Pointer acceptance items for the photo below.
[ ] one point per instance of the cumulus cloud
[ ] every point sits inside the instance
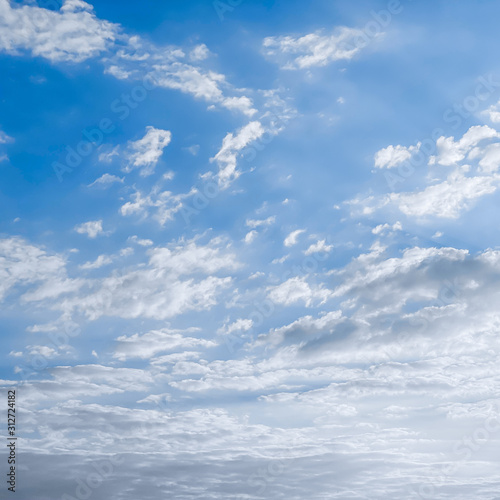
(92, 228)
(145, 153)
(298, 290)
(473, 162)
(392, 156)
(22, 263)
(243, 104)
(318, 247)
(292, 238)
(4, 138)
(176, 279)
(163, 205)
(102, 260)
(72, 34)
(106, 180)
(451, 152)
(447, 199)
(254, 223)
(232, 145)
(149, 344)
(314, 49)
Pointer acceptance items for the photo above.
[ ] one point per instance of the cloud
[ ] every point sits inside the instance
(4, 138)
(254, 223)
(447, 199)
(102, 260)
(175, 280)
(392, 156)
(71, 34)
(449, 192)
(22, 263)
(451, 152)
(147, 345)
(292, 238)
(382, 228)
(250, 236)
(297, 290)
(318, 247)
(106, 180)
(142, 242)
(242, 104)
(164, 204)
(232, 144)
(146, 152)
(493, 112)
(92, 228)
(314, 49)
(199, 53)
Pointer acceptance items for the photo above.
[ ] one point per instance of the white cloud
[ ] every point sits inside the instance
(92, 228)
(177, 279)
(102, 260)
(451, 152)
(146, 152)
(447, 199)
(71, 34)
(493, 112)
(319, 246)
(250, 236)
(199, 53)
(164, 204)
(149, 344)
(315, 49)
(4, 138)
(381, 228)
(297, 290)
(292, 238)
(449, 192)
(242, 104)
(226, 158)
(142, 242)
(392, 156)
(254, 223)
(22, 263)
(106, 180)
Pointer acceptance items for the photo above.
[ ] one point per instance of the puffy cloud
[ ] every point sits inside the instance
(382, 228)
(243, 104)
(73, 33)
(92, 228)
(447, 199)
(102, 260)
(451, 152)
(250, 236)
(163, 204)
(314, 49)
(149, 344)
(106, 180)
(4, 138)
(145, 153)
(23, 263)
(253, 223)
(292, 238)
(232, 144)
(392, 156)
(176, 280)
(318, 247)
(448, 193)
(199, 53)
(297, 290)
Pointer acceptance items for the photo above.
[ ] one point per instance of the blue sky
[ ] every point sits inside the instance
(248, 249)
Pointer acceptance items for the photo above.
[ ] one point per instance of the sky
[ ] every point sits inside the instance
(248, 249)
